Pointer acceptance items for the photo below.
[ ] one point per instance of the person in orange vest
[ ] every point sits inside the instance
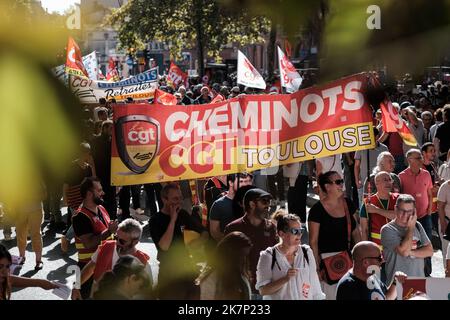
(91, 224)
(378, 209)
(129, 233)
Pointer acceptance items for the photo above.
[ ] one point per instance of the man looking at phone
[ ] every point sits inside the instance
(405, 243)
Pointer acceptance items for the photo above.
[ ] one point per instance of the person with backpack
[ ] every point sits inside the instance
(287, 271)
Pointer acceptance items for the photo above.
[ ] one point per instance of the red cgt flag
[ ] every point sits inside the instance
(392, 122)
(162, 97)
(74, 61)
(176, 76)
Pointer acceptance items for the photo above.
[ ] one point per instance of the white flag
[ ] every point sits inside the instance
(91, 65)
(247, 74)
(290, 78)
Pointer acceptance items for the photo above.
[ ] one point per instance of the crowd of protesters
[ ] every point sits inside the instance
(387, 207)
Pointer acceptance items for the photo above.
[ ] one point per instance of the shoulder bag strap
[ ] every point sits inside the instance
(349, 224)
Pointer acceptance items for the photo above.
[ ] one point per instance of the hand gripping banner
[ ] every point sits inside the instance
(157, 143)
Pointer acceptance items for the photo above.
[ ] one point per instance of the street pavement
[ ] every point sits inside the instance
(56, 263)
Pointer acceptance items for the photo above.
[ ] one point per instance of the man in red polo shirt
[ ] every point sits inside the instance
(417, 182)
(256, 225)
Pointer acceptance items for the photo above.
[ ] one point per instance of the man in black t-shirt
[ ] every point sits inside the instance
(362, 282)
(91, 225)
(176, 269)
(441, 140)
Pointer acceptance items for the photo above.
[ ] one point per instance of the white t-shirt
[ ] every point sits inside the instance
(332, 163)
(444, 171)
(444, 196)
(304, 286)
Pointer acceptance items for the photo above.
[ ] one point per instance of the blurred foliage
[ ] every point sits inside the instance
(203, 24)
(414, 34)
(39, 126)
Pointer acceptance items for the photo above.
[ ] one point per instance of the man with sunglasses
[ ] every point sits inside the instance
(405, 243)
(362, 282)
(256, 225)
(128, 234)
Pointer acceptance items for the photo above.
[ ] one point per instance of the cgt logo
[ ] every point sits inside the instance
(137, 141)
(142, 137)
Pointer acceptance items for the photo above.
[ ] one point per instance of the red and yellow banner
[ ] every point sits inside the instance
(74, 61)
(156, 143)
(392, 122)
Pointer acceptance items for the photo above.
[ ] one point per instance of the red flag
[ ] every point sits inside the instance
(165, 98)
(218, 98)
(74, 61)
(392, 122)
(176, 76)
(111, 63)
(112, 75)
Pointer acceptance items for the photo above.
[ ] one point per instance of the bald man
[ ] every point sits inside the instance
(378, 209)
(362, 281)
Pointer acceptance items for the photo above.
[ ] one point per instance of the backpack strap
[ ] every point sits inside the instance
(305, 253)
(274, 258)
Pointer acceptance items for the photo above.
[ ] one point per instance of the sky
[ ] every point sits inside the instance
(58, 5)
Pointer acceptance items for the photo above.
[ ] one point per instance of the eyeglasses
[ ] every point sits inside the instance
(338, 182)
(295, 231)
(379, 258)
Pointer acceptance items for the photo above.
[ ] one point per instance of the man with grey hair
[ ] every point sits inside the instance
(427, 120)
(128, 234)
(405, 243)
(417, 182)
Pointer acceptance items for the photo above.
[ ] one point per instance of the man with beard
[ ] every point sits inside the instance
(255, 224)
(91, 224)
(129, 233)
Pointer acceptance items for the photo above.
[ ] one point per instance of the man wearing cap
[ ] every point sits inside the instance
(256, 225)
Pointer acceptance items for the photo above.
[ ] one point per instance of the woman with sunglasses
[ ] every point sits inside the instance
(331, 227)
(287, 271)
(8, 281)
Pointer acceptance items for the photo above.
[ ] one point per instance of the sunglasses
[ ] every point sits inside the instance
(338, 182)
(295, 231)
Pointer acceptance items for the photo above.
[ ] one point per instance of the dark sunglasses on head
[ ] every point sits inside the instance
(295, 231)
